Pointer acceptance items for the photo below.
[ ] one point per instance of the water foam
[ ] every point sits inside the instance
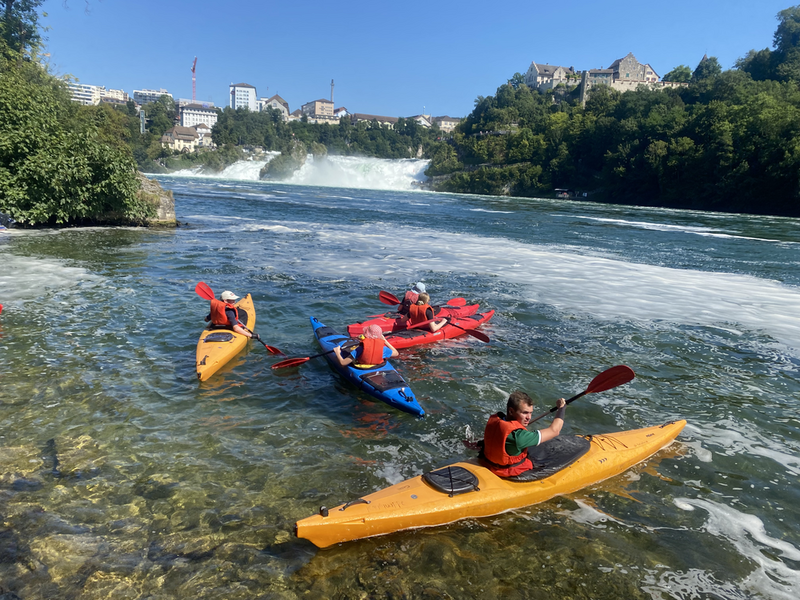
(26, 277)
(570, 279)
(746, 533)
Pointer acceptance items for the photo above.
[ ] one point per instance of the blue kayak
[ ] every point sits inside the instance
(380, 381)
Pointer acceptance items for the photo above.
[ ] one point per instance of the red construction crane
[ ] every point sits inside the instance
(194, 89)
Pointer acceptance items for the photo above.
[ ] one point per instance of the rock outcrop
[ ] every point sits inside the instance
(163, 200)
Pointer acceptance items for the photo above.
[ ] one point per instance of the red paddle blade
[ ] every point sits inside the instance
(273, 350)
(610, 378)
(456, 302)
(1, 309)
(202, 290)
(291, 362)
(388, 298)
(477, 334)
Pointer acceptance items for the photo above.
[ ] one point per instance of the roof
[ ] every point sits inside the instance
(320, 100)
(446, 118)
(548, 70)
(619, 60)
(181, 133)
(244, 85)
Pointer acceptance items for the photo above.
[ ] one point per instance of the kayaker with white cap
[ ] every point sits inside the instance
(411, 297)
(224, 315)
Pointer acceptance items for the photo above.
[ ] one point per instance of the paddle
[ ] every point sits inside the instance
(202, 290)
(388, 298)
(473, 332)
(608, 379)
(293, 362)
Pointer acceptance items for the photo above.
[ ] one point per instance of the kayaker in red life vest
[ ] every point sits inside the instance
(411, 298)
(224, 315)
(423, 311)
(372, 350)
(504, 448)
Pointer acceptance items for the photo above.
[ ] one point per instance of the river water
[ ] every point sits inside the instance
(123, 477)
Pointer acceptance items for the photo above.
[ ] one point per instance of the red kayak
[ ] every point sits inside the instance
(390, 321)
(455, 328)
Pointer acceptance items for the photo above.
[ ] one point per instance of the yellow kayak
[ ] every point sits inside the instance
(467, 490)
(218, 346)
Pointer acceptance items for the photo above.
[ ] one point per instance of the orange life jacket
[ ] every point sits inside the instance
(218, 316)
(417, 313)
(371, 352)
(494, 456)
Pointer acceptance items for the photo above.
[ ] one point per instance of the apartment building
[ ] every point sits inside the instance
(243, 95)
(319, 111)
(146, 96)
(86, 94)
(196, 114)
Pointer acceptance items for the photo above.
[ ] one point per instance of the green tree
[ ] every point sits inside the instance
(680, 74)
(58, 163)
(19, 24)
(517, 80)
(708, 67)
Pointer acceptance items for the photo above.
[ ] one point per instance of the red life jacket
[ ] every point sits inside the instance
(371, 352)
(417, 313)
(494, 455)
(218, 316)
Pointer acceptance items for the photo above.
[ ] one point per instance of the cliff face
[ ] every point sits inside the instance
(152, 192)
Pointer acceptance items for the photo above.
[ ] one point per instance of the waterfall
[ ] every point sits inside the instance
(332, 171)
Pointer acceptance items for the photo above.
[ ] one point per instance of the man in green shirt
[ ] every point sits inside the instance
(506, 439)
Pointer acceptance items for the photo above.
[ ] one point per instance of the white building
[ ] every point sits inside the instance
(275, 102)
(86, 94)
(546, 77)
(243, 95)
(147, 96)
(446, 124)
(195, 114)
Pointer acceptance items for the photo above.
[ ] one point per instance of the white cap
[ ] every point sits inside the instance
(226, 295)
(419, 287)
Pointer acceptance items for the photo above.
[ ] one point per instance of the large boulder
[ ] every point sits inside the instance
(163, 200)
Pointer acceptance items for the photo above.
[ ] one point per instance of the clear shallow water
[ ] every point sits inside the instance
(122, 477)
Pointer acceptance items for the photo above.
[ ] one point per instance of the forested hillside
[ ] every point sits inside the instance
(727, 142)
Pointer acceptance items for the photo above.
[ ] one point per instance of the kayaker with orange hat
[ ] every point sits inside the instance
(371, 351)
(224, 315)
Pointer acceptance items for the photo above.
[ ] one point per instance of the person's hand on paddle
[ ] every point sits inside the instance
(255, 336)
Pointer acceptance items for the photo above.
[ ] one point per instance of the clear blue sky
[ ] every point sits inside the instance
(387, 58)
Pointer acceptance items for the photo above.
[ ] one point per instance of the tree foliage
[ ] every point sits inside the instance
(267, 129)
(680, 74)
(19, 24)
(728, 141)
(59, 162)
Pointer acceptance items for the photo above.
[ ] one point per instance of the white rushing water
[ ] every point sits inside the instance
(568, 278)
(332, 171)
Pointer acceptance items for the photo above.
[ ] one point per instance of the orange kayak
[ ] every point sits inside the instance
(217, 347)
(467, 490)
